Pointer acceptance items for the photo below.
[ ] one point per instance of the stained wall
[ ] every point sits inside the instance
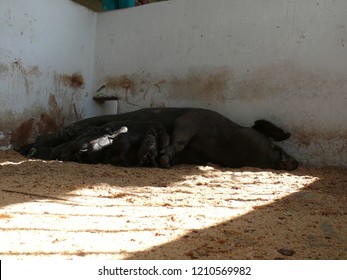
(46, 59)
(282, 60)
(276, 59)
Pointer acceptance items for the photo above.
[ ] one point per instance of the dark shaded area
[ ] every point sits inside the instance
(269, 129)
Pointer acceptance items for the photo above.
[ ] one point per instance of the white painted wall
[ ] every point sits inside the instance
(46, 62)
(283, 60)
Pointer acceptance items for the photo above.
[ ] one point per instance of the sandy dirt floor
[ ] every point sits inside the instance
(51, 209)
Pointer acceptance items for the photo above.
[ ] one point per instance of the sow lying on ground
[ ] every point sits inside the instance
(166, 137)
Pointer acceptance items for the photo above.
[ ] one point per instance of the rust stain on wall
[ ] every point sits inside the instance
(273, 80)
(121, 82)
(206, 86)
(20, 74)
(52, 120)
(36, 117)
(28, 129)
(18, 66)
(203, 85)
(75, 81)
(22, 133)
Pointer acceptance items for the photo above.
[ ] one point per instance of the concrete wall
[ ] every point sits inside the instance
(283, 60)
(46, 61)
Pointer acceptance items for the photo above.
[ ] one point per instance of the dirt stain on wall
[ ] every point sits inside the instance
(206, 86)
(320, 148)
(121, 82)
(75, 80)
(22, 133)
(64, 92)
(203, 85)
(18, 66)
(49, 121)
(27, 131)
(284, 77)
(3, 69)
(34, 71)
(306, 138)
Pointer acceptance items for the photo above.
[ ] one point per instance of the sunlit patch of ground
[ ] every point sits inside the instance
(68, 211)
